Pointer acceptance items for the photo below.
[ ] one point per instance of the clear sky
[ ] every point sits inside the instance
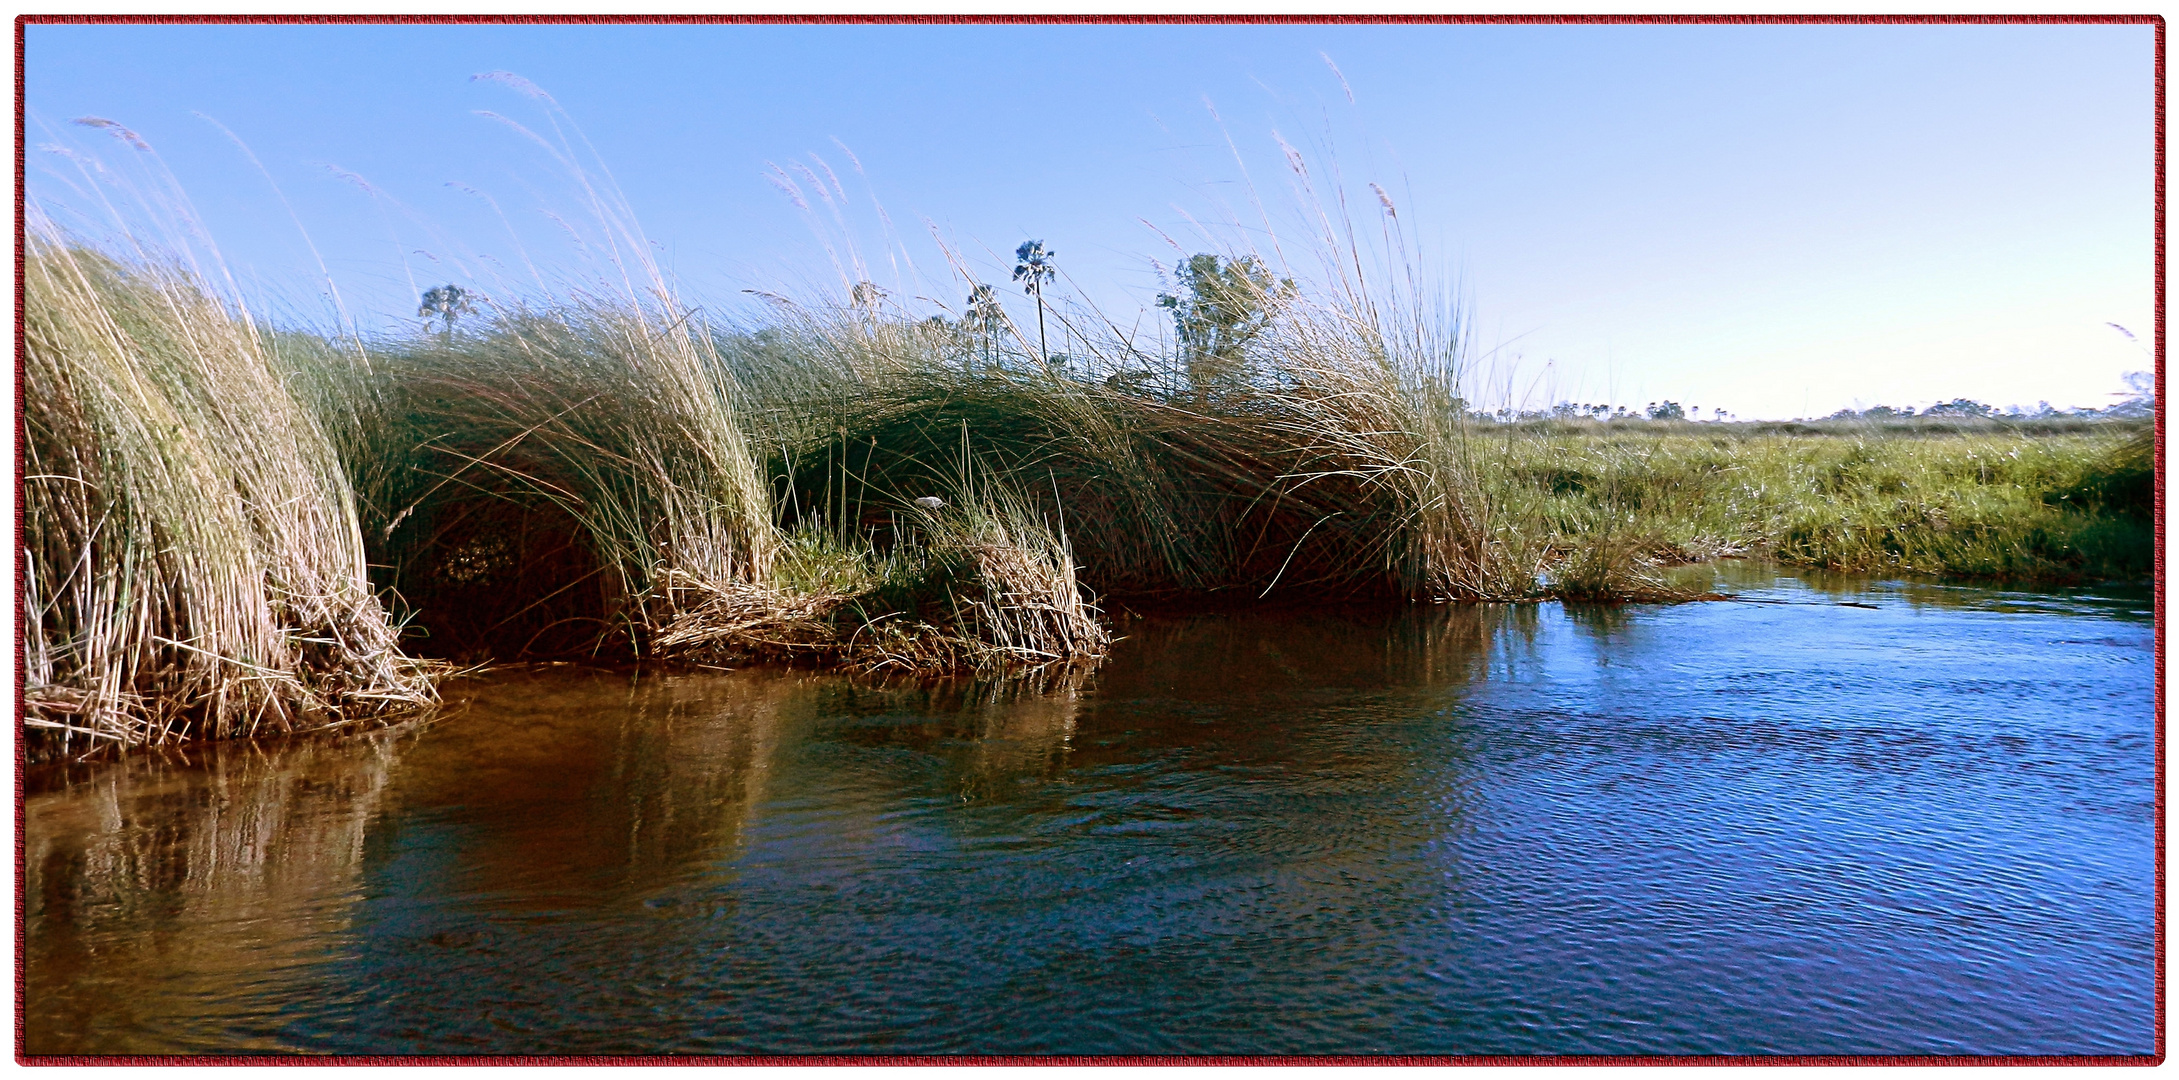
(1780, 221)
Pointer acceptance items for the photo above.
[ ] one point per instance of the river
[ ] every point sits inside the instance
(1834, 816)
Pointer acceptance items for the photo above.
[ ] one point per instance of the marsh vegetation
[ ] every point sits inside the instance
(2054, 502)
(238, 528)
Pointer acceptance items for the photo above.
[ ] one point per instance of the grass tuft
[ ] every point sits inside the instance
(195, 566)
(542, 485)
(978, 584)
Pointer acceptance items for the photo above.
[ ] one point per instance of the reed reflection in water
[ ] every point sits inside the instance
(184, 897)
(184, 900)
(481, 882)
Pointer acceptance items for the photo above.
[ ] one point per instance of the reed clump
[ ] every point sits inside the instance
(578, 481)
(195, 568)
(1322, 461)
(536, 486)
(976, 585)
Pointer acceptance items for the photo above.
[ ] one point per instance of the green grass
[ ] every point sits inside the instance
(1985, 501)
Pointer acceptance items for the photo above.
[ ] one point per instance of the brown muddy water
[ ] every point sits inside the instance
(1922, 826)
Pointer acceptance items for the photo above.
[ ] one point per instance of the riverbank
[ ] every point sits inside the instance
(236, 529)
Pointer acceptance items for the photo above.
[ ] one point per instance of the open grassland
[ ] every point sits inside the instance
(2034, 501)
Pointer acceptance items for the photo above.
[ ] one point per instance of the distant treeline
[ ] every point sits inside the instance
(2139, 405)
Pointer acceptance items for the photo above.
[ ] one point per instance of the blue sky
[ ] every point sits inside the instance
(1779, 221)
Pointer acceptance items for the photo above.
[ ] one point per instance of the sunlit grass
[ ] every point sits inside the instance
(1984, 503)
(195, 566)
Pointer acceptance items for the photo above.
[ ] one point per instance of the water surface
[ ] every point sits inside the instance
(1783, 825)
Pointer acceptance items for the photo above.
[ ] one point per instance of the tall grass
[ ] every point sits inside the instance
(194, 566)
(1297, 438)
(205, 499)
(579, 481)
(539, 480)
(1324, 461)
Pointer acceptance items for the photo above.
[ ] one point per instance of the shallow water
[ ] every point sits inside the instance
(1923, 826)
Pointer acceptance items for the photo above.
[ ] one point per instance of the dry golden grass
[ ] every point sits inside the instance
(195, 567)
(976, 587)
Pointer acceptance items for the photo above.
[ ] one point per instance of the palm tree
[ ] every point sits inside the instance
(1033, 268)
(447, 302)
(984, 316)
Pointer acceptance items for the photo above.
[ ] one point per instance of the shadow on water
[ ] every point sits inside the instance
(574, 789)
